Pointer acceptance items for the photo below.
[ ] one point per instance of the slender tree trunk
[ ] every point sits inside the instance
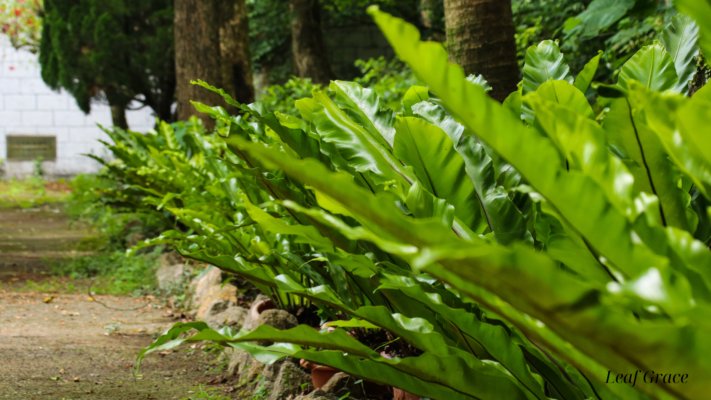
(117, 105)
(480, 38)
(261, 79)
(310, 58)
(118, 116)
(234, 50)
(197, 56)
(164, 106)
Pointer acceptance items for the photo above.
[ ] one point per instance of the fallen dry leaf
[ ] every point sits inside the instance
(75, 379)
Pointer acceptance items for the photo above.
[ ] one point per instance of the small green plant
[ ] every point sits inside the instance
(113, 272)
(113, 329)
(202, 392)
(38, 169)
(261, 392)
(281, 98)
(389, 78)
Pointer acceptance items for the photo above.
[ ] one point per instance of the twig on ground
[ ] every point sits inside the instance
(91, 296)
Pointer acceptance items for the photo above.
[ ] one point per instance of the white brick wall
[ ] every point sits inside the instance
(52, 102)
(29, 107)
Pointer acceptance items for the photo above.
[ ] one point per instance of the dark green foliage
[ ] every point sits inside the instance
(390, 79)
(521, 250)
(281, 98)
(110, 50)
(118, 222)
(270, 28)
(620, 28)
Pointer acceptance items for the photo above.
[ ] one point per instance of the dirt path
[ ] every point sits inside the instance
(61, 350)
(28, 237)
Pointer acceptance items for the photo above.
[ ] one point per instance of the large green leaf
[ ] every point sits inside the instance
(414, 95)
(700, 10)
(504, 218)
(544, 63)
(653, 67)
(563, 243)
(436, 115)
(601, 14)
(664, 123)
(653, 172)
(493, 339)
(481, 81)
(564, 93)
(529, 281)
(585, 77)
(502, 215)
(367, 110)
(694, 119)
(605, 228)
(680, 38)
(306, 234)
(443, 373)
(361, 149)
(438, 168)
(422, 204)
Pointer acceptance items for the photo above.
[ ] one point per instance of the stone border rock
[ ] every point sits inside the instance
(216, 304)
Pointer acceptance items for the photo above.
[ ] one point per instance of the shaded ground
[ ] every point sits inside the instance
(60, 350)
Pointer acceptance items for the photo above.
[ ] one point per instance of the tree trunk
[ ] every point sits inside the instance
(197, 56)
(234, 50)
(118, 116)
(310, 58)
(480, 38)
(117, 105)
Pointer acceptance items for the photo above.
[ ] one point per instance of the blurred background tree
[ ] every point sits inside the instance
(114, 51)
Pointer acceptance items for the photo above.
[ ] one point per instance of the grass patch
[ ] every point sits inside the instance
(32, 192)
(112, 272)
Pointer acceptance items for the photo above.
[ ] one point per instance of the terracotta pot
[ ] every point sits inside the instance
(260, 307)
(399, 394)
(320, 374)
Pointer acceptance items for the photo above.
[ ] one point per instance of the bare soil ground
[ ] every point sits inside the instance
(60, 349)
